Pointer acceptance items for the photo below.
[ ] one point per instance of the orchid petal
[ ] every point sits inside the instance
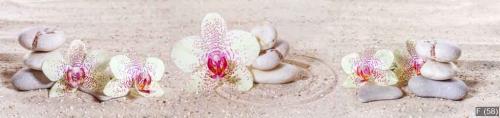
(213, 28)
(348, 62)
(59, 89)
(197, 80)
(96, 60)
(76, 52)
(53, 67)
(245, 45)
(117, 88)
(96, 82)
(201, 81)
(388, 79)
(245, 78)
(119, 65)
(157, 68)
(350, 83)
(155, 91)
(386, 57)
(185, 54)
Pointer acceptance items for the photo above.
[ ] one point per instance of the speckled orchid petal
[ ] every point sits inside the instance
(348, 62)
(388, 79)
(244, 78)
(53, 68)
(119, 66)
(213, 30)
(155, 90)
(196, 82)
(157, 68)
(186, 55)
(350, 83)
(245, 46)
(386, 57)
(96, 83)
(117, 88)
(201, 81)
(76, 52)
(59, 89)
(96, 60)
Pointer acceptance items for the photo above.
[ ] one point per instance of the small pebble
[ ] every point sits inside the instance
(266, 34)
(267, 61)
(438, 70)
(371, 92)
(34, 60)
(284, 73)
(29, 79)
(452, 89)
(41, 39)
(439, 50)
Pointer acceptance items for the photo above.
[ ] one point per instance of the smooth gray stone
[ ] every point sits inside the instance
(267, 61)
(284, 73)
(29, 79)
(34, 60)
(439, 50)
(41, 38)
(371, 92)
(438, 70)
(452, 89)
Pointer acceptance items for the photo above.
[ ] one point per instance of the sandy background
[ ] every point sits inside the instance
(318, 28)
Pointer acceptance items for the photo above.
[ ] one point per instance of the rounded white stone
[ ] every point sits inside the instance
(371, 92)
(438, 70)
(452, 89)
(267, 61)
(266, 34)
(442, 51)
(284, 73)
(29, 79)
(34, 60)
(41, 39)
(282, 46)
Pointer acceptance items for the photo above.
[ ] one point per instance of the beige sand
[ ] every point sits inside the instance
(318, 28)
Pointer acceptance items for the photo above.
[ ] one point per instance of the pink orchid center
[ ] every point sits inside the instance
(75, 76)
(367, 69)
(142, 81)
(416, 63)
(217, 64)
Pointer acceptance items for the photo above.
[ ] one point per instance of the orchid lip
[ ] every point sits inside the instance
(217, 64)
(417, 63)
(367, 69)
(75, 75)
(142, 81)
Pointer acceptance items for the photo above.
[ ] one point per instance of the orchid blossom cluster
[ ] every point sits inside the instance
(89, 72)
(217, 56)
(375, 67)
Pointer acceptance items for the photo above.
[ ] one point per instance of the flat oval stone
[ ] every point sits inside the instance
(371, 92)
(284, 73)
(41, 39)
(29, 79)
(34, 60)
(267, 61)
(439, 50)
(282, 46)
(266, 34)
(438, 70)
(452, 89)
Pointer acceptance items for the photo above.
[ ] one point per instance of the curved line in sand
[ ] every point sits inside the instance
(315, 89)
